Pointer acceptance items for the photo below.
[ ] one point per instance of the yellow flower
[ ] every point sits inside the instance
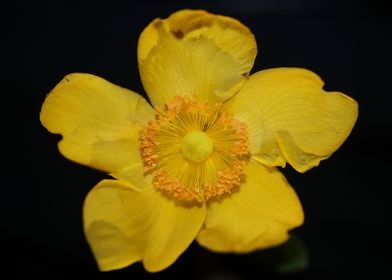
(201, 163)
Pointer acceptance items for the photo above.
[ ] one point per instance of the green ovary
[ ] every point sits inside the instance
(196, 146)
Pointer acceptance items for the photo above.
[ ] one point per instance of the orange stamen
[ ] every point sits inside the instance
(177, 174)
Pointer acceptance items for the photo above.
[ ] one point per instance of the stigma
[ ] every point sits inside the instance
(196, 146)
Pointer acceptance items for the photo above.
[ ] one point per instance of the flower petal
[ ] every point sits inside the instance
(291, 118)
(124, 226)
(195, 53)
(99, 121)
(257, 216)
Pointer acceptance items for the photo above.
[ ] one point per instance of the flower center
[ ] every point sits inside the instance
(194, 151)
(196, 146)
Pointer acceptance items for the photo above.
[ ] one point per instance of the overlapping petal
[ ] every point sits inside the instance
(124, 225)
(291, 118)
(195, 53)
(99, 121)
(257, 216)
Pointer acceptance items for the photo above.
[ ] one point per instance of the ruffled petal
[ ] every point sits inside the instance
(195, 53)
(291, 118)
(99, 121)
(257, 216)
(124, 225)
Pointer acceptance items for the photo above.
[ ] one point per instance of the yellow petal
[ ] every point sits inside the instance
(195, 53)
(257, 216)
(123, 226)
(291, 118)
(99, 121)
(135, 175)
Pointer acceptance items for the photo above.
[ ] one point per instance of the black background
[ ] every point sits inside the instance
(346, 199)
